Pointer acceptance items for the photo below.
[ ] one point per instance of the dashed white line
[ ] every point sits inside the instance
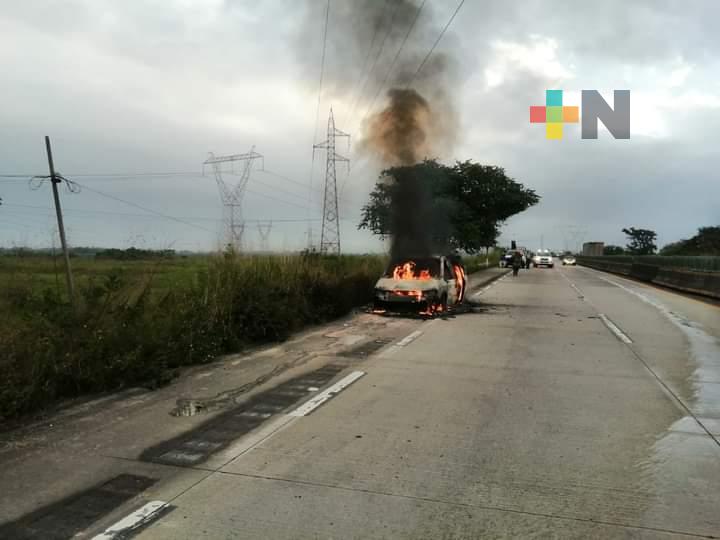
(309, 406)
(614, 329)
(409, 338)
(139, 517)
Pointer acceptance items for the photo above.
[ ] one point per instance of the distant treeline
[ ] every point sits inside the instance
(133, 254)
(130, 254)
(705, 243)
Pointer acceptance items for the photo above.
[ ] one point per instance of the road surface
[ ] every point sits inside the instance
(567, 404)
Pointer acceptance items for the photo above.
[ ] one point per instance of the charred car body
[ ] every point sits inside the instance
(421, 284)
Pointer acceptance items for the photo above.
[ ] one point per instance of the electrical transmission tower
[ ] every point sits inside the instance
(330, 235)
(264, 228)
(230, 195)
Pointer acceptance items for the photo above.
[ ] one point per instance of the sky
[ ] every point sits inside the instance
(135, 94)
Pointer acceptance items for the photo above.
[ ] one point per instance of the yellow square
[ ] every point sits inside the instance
(553, 131)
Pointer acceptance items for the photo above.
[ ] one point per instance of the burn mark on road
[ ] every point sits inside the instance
(366, 349)
(196, 446)
(68, 517)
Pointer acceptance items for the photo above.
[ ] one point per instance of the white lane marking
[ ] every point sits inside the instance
(409, 339)
(131, 521)
(615, 329)
(309, 406)
(389, 351)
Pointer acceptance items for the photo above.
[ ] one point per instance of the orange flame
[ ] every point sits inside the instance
(407, 271)
(416, 294)
(460, 280)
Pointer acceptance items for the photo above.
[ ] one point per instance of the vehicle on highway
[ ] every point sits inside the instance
(543, 258)
(421, 284)
(569, 260)
(506, 259)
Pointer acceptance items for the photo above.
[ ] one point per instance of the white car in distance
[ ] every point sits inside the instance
(543, 257)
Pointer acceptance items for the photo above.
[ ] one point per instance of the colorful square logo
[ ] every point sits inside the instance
(554, 114)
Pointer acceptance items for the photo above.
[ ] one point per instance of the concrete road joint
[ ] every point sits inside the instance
(461, 504)
(662, 383)
(622, 336)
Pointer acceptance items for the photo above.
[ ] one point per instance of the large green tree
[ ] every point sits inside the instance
(705, 242)
(462, 205)
(641, 241)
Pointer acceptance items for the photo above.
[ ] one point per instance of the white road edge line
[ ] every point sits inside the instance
(131, 521)
(309, 406)
(614, 329)
(409, 338)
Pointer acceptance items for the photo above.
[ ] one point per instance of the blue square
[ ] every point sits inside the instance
(553, 98)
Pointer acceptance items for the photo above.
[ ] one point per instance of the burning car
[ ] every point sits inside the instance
(426, 285)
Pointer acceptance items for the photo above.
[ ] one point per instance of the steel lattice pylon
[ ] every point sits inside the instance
(264, 228)
(330, 235)
(232, 196)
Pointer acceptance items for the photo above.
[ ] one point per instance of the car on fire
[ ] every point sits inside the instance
(421, 284)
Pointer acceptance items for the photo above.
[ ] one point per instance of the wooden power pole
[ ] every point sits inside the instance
(54, 180)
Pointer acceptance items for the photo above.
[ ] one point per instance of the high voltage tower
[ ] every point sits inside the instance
(232, 196)
(264, 228)
(330, 235)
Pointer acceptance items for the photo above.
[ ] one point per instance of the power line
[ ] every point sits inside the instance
(382, 46)
(317, 111)
(397, 55)
(432, 49)
(356, 93)
(150, 210)
(153, 216)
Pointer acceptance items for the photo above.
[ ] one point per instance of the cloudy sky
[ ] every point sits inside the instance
(143, 87)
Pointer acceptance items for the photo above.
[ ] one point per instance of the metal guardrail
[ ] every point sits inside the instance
(696, 263)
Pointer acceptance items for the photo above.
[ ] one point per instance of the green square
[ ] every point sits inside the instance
(553, 115)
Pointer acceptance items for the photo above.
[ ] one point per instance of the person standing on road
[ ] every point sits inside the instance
(517, 262)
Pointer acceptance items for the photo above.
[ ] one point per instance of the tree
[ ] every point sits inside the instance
(705, 242)
(461, 206)
(613, 250)
(642, 241)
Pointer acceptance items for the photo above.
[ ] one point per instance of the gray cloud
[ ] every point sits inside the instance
(138, 86)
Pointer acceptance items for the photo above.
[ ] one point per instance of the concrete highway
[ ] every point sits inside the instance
(567, 403)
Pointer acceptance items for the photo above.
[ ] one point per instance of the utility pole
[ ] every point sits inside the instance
(330, 235)
(232, 196)
(54, 180)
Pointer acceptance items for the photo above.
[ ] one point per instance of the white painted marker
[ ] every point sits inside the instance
(310, 405)
(139, 517)
(615, 330)
(409, 339)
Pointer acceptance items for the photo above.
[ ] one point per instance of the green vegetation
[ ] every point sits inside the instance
(642, 241)
(463, 206)
(136, 322)
(613, 250)
(475, 263)
(705, 242)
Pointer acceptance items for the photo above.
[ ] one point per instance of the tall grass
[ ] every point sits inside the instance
(474, 263)
(133, 328)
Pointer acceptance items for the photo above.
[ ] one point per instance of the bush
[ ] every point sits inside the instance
(130, 330)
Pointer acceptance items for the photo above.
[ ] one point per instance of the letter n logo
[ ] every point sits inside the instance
(594, 108)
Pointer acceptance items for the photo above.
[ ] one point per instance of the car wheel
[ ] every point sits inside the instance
(551, 266)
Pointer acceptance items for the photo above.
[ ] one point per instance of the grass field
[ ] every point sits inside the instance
(136, 322)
